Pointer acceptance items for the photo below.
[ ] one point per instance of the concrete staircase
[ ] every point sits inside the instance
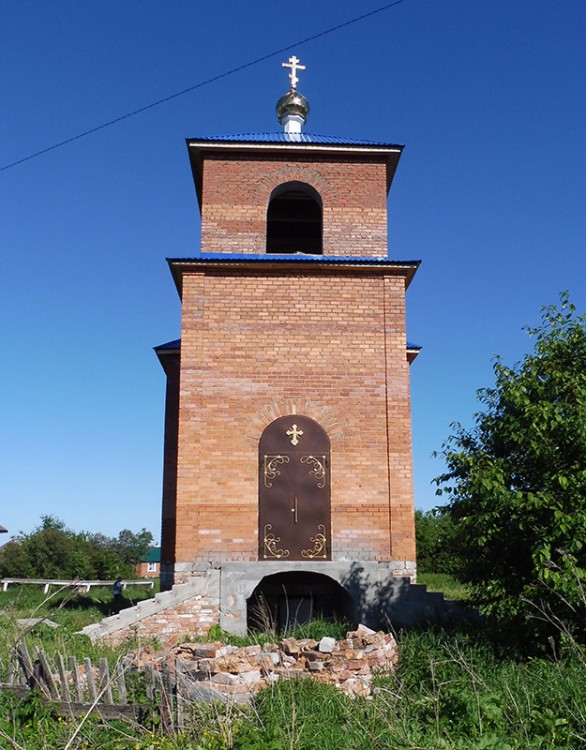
(165, 600)
(405, 604)
(417, 605)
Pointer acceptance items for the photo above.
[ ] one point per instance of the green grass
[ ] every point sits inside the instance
(70, 610)
(315, 629)
(449, 586)
(453, 690)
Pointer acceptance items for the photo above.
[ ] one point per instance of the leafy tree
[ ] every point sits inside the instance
(436, 547)
(14, 561)
(517, 482)
(104, 557)
(54, 551)
(131, 547)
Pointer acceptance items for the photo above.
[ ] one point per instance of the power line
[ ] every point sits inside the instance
(201, 84)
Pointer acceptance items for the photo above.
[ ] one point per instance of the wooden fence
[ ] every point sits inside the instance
(75, 689)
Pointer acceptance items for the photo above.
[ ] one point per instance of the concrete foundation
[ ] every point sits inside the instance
(379, 592)
(379, 595)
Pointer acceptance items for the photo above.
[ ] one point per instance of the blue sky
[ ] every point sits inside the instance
(490, 194)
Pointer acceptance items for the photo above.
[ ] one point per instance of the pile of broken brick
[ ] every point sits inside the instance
(214, 671)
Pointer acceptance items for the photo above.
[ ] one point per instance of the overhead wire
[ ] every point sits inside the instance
(207, 82)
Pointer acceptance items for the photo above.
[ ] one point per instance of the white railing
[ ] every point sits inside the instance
(77, 583)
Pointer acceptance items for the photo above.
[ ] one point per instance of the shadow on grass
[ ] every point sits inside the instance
(82, 602)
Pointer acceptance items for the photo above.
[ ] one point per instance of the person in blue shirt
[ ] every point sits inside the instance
(117, 589)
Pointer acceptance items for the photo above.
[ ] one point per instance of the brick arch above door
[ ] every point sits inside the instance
(328, 417)
(261, 191)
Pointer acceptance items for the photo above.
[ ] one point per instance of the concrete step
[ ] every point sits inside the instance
(146, 608)
(418, 604)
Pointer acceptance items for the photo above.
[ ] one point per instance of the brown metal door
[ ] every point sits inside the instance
(294, 491)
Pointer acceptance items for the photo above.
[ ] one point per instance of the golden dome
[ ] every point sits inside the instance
(292, 103)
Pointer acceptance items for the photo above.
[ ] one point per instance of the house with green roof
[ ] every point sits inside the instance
(150, 564)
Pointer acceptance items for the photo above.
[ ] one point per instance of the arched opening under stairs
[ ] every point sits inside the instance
(283, 600)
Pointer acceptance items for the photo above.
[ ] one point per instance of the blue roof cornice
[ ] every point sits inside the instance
(293, 258)
(290, 262)
(169, 346)
(173, 347)
(280, 137)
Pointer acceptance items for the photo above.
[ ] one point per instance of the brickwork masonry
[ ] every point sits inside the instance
(328, 339)
(352, 188)
(265, 339)
(191, 607)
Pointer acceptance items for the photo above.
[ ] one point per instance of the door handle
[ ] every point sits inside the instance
(294, 510)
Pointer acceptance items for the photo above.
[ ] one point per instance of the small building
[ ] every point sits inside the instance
(150, 564)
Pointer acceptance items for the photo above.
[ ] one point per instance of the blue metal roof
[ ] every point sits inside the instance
(170, 345)
(176, 344)
(280, 136)
(291, 258)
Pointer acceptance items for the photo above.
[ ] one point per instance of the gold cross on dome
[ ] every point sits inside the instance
(294, 433)
(295, 66)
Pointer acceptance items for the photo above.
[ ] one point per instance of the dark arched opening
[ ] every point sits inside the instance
(294, 220)
(283, 600)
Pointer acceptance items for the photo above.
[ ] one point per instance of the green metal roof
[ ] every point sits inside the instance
(152, 556)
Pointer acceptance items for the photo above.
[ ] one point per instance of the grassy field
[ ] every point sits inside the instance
(69, 610)
(453, 690)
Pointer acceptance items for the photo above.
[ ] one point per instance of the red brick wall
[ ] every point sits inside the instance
(260, 345)
(142, 570)
(188, 619)
(237, 189)
(171, 364)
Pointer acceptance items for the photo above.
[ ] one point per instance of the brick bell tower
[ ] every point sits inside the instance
(287, 464)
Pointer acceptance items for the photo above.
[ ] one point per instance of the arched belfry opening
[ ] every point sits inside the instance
(295, 220)
(283, 600)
